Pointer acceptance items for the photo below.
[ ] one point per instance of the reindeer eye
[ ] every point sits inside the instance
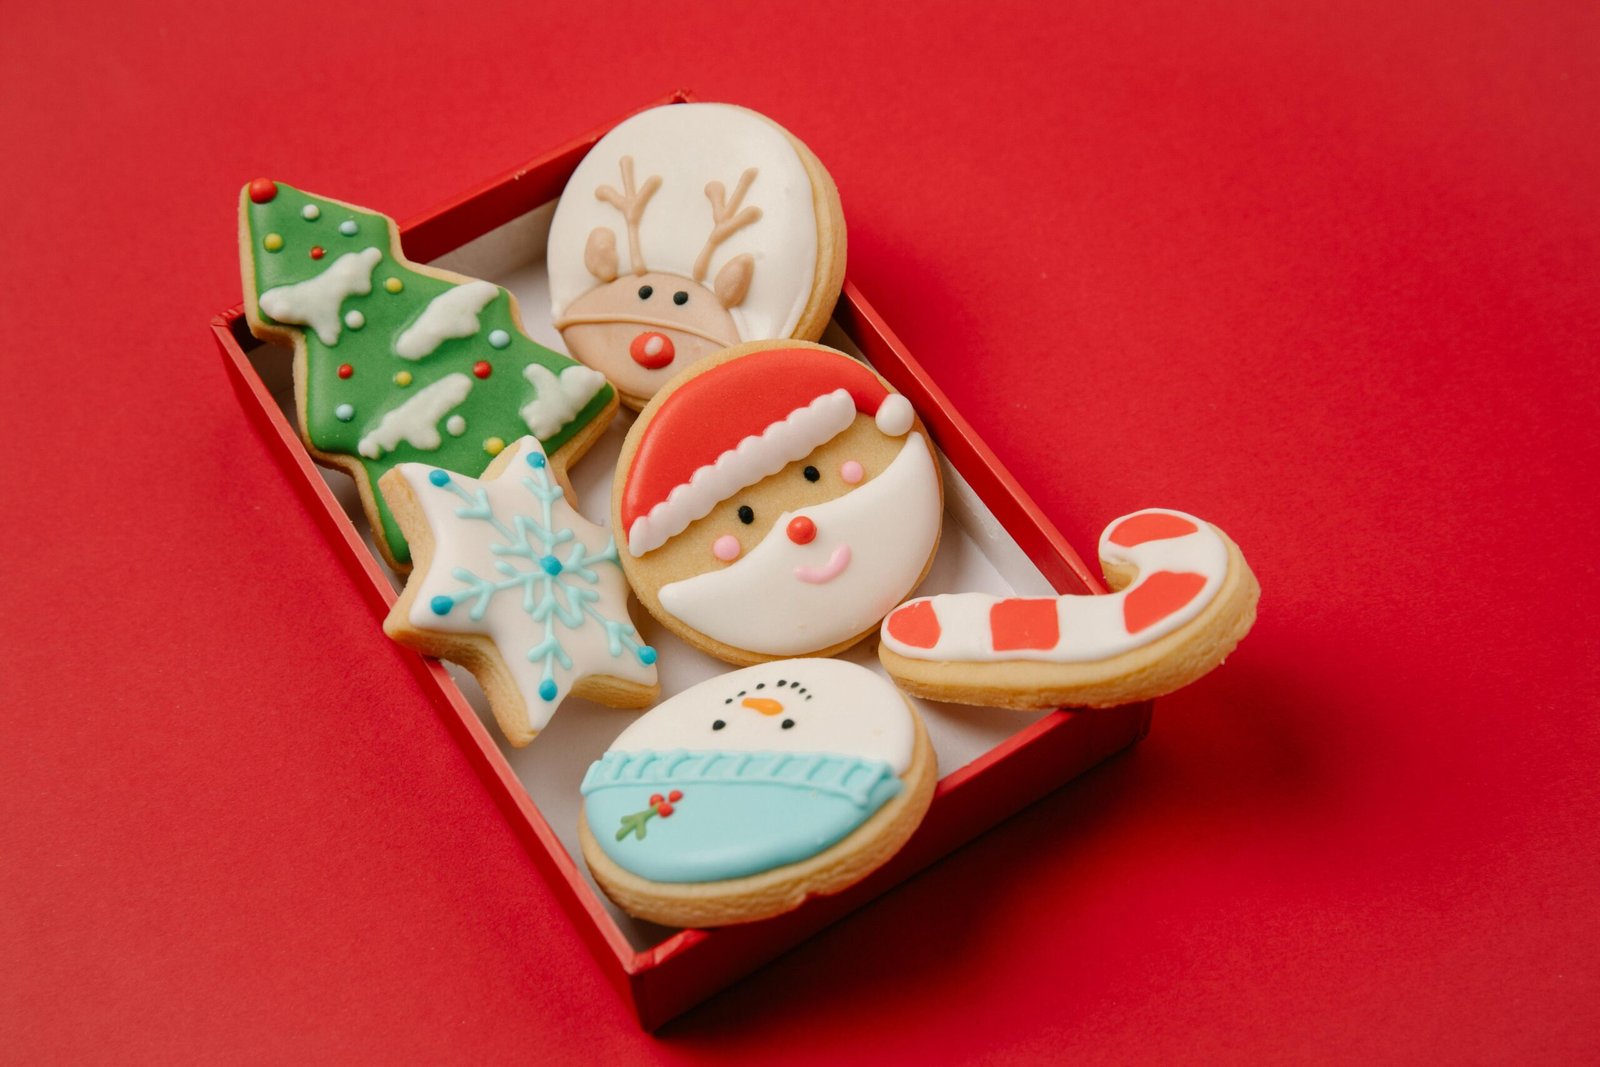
(812, 474)
(645, 291)
(680, 298)
(747, 515)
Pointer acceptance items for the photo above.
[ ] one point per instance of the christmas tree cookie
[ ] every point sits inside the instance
(516, 586)
(397, 362)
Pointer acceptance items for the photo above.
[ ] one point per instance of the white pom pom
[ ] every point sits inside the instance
(895, 415)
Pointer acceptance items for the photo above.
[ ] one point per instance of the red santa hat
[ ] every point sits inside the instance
(730, 427)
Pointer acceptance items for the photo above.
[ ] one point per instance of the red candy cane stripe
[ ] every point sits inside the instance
(1181, 564)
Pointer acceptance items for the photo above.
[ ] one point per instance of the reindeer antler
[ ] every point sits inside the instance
(725, 217)
(631, 203)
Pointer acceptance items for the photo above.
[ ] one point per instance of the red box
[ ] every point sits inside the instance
(687, 966)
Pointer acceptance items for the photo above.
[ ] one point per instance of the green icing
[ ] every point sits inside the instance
(491, 408)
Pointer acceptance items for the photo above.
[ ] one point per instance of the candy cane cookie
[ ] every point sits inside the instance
(1183, 598)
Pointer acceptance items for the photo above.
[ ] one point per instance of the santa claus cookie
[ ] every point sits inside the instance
(739, 798)
(686, 229)
(1184, 598)
(519, 588)
(777, 499)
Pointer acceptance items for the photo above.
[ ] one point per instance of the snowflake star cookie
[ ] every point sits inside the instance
(687, 229)
(777, 499)
(396, 362)
(1184, 598)
(739, 798)
(519, 588)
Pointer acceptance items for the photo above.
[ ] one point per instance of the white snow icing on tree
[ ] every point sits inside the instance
(514, 562)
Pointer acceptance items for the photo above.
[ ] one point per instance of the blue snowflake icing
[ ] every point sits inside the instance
(559, 592)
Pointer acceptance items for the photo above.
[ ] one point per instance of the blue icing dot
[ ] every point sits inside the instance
(535, 460)
(439, 478)
(441, 605)
(547, 690)
(348, 227)
(551, 565)
(647, 655)
(499, 339)
(344, 412)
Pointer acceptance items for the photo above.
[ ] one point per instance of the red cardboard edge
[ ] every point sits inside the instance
(679, 972)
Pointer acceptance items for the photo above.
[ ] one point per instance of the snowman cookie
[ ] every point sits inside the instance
(686, 229)
(776, 500)
(739, 798)
(1183, 599)
(516, 586)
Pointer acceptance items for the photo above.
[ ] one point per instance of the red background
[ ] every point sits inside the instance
(1325, 278)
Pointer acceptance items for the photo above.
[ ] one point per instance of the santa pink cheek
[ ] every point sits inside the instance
(725, 548)
(851, 472)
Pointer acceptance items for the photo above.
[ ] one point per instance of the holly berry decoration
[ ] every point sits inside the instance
(663, 806)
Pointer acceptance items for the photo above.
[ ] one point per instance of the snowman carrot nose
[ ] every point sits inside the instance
(763, 705)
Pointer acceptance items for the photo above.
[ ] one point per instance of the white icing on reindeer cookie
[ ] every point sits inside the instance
(687, 229)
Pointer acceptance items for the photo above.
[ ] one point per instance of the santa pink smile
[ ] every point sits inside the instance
(817, 575)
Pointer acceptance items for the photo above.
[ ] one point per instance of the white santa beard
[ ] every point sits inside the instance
(890, 525)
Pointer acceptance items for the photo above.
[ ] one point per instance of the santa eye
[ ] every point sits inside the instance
(680, 298)
(747, 514)
(645, 291)
(787, 724)
(812, 474)
(719, 724)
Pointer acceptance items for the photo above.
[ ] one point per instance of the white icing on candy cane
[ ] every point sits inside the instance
(451, 314)
(315, 302)
(1181, 561)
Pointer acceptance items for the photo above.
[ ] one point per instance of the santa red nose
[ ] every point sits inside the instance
(652, 350)
(802, 531)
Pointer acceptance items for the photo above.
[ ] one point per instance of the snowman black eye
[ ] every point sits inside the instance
(680, 298)
(788, 724)
(747, 514)
(719, 724)
(645, 291)
(812, 474)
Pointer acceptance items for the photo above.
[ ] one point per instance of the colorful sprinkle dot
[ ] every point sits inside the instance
(262, 190)
(441, 605)
(439, 478)
(482, 368)
(647, 655)
(394, 285)
(456, 425)
(272, 242)
(547, 689)
(348, 227)
(317, 252)
(494, 446)
(354, 319)
(535, 460)
(344, 412)
(550, 565)
(402, 378)
(311, 212)
(345, 370)
(499, 339)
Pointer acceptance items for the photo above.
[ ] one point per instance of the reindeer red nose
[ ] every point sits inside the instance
(652, 350)
(802, 531)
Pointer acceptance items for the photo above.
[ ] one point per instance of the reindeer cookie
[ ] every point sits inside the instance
(739, 798)
(687, 229)
(776, 499)
(1184, 599)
